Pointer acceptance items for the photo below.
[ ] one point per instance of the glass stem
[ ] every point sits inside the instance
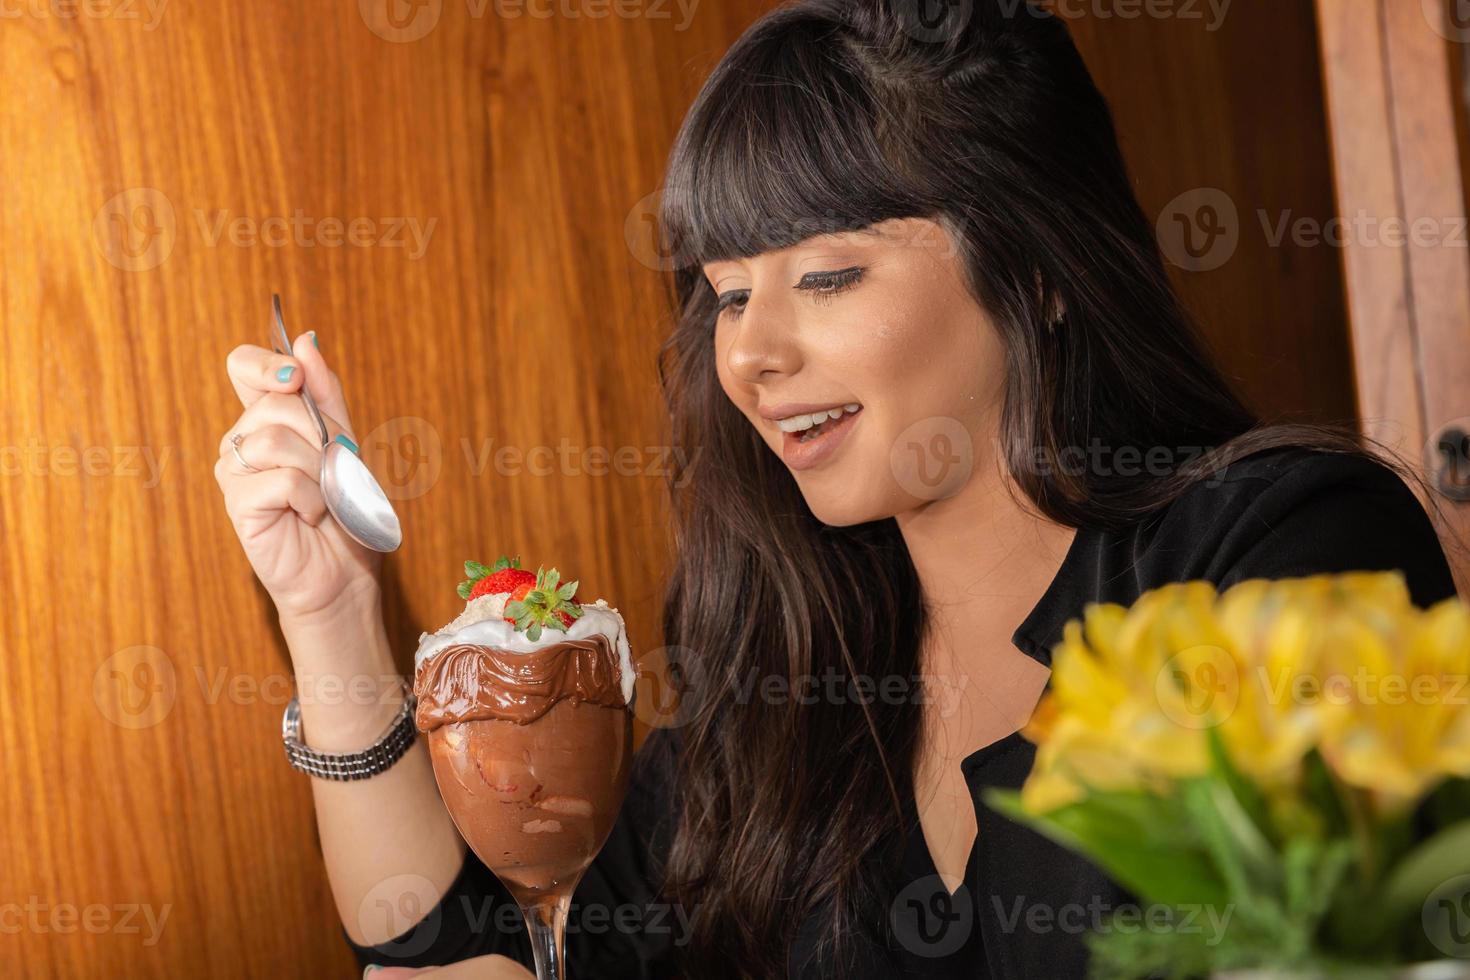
(547, 921)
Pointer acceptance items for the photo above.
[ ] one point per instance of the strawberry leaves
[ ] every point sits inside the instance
(545, 605)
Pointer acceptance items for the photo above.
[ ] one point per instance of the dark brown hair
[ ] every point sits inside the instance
(832, 115)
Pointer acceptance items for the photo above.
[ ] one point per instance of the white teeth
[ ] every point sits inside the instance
(800, 423)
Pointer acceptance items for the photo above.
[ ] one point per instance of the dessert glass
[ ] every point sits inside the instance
(532, 745)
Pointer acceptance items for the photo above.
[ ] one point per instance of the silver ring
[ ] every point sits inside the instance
(235, 441)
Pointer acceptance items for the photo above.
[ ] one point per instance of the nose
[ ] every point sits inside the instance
(761, 343)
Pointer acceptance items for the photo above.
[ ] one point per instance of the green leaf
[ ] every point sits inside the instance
(1443, 856)
(1247, 795)
(1145, 842)
(533, 632)
(568, 590)
(1312, 872)
(464, 590)
(1322, 796)
(475, 570)
(549, 583)
(1251, 867)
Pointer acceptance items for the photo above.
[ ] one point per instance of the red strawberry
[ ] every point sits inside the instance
(543, 604)
(505, 580)
(506, 575)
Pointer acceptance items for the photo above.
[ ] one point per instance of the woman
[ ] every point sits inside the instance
(927, 228)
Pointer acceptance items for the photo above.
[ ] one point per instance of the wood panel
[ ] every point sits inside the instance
(1392, 99)
(161, 178)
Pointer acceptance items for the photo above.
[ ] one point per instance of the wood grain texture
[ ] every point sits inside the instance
(1431, 172)
(1397, 122)
(162, 178)
(1222, 121)
(1359, 102)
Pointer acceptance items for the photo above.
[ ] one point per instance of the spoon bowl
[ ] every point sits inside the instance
(353, 496)
(357, 501)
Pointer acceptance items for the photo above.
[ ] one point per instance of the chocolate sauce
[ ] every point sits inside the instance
(469, 682)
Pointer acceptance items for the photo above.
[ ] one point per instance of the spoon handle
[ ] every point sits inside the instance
(281, 344)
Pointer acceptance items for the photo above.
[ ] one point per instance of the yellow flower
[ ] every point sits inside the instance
(1403, 677)
(1102, 724)
(1277, 668)
(1272, 639)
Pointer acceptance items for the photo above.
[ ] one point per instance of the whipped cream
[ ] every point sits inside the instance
(482, 623)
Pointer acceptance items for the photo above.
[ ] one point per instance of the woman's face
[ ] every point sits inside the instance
(878, 319)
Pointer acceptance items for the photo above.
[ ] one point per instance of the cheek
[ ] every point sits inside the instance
(923, 360)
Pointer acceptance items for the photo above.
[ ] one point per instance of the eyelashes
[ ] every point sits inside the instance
(823, 287)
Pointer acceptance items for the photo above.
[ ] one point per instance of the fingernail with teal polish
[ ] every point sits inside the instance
(284, 374)
(370, 969)
(314, 341)
(346, 442)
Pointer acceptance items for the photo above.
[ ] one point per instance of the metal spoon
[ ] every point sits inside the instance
(352, 495)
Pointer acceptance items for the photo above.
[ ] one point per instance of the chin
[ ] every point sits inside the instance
(838, 509)
(839, 494)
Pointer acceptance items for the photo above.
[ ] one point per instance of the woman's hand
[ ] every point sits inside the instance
(479, 968)
(310, 567)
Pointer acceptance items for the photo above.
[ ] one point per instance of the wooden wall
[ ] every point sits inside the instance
(165, 168)
(1225, 130)
(517, 148)
(1394, 77)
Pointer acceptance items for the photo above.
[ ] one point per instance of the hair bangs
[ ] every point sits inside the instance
(785, 142)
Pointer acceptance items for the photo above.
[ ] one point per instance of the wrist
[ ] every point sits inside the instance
(347, 684)
(347, 713)
(342, 631)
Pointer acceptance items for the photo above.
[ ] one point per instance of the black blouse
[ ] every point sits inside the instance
(1026, 903)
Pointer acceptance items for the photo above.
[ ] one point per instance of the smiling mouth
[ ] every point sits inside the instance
(813, 425)
(815, 444)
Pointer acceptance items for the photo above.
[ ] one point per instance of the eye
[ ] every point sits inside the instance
(729, 299)
(823, 286)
